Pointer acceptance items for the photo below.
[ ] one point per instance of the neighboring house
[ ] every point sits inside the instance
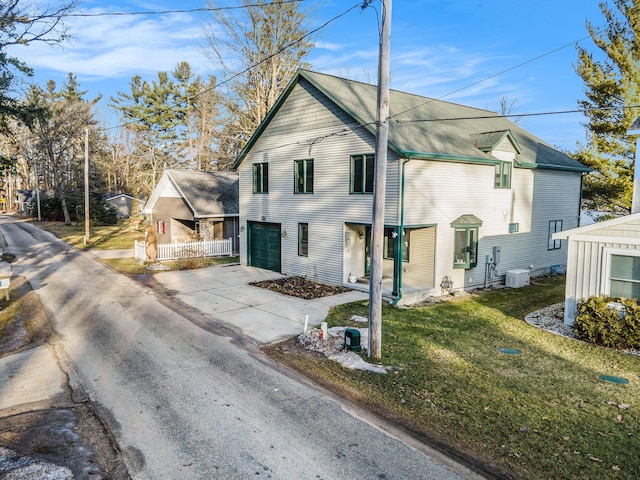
(125, 205)
(187, 205)
(24, 199)
(469, 195)
(604, 257)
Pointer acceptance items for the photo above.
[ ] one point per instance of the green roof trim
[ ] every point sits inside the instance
(281, 99)
(449, 158)
(554, 167)
(426, 128)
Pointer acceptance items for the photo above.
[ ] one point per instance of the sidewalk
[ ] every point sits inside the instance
(128, 253)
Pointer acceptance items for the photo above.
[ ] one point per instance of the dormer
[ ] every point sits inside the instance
(500, 144)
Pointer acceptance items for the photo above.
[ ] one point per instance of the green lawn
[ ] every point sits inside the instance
(122, 236)
(112, 237)
(542, 414)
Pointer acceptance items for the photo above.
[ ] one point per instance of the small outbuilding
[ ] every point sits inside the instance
(604, 258)
(193, 205)
(126, 205)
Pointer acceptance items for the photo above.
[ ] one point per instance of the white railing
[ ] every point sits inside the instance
(175, 251)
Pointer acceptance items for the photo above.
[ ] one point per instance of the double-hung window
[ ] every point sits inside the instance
(303, 173)
(624, 276)
(503, 175)
(362, 173)
(260, 178)
(554, 226)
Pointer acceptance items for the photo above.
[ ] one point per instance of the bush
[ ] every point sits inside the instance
(50, 209)
(599, 321)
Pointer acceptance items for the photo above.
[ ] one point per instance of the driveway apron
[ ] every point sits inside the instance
(225, 294)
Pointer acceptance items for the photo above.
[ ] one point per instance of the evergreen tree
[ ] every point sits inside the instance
(612, 85)
(21, 24)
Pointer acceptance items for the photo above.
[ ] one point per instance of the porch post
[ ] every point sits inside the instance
(397, 260)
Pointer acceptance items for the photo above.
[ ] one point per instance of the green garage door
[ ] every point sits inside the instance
(264, 245)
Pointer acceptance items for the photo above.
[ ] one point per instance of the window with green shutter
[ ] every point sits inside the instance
(260, 178)
(362, 173)
(303, 173)
(503, 175)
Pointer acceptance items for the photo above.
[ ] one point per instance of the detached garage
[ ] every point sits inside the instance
(263, 245)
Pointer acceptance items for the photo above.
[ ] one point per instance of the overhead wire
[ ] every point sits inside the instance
(166, 12)
(363, 5)
(550, 52)
(265, 59)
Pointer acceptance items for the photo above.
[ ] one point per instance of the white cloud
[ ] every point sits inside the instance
(116, 47)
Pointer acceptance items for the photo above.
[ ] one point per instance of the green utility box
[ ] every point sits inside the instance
(352, 340)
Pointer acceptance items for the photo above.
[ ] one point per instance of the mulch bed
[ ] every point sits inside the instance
(300, 287)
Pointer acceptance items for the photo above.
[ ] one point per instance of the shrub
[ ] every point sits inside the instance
(599, 322)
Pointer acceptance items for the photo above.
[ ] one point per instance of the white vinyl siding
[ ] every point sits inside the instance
(429, 200)
(436, 193)
(588, 260)
(419, 270)
(287, 137)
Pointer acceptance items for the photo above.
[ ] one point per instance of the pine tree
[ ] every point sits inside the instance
(612, 85)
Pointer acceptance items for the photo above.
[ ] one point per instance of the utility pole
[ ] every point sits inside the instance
(379, 192)
(86, 186)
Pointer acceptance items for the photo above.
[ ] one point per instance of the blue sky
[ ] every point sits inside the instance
(437, 47)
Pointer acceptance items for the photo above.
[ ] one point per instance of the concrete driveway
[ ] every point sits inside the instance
(223, 293)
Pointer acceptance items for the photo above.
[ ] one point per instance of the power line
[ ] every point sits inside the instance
(494, 75)
(165, 12)
(354, 127)
(534, 114)
(265, 59)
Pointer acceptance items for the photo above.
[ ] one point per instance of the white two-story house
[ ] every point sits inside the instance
(469, 194)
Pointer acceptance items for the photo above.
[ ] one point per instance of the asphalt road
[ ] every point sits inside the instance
(184, 402)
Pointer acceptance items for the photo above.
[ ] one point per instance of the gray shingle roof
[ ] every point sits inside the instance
(426, 127)
(207, 193)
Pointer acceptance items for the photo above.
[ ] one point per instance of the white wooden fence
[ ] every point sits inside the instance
(175, 251)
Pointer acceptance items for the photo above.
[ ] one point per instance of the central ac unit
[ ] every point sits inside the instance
(518, 278)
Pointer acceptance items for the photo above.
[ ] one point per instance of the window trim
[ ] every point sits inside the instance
(260, 173)
(364, 158)
(305, 162)
(551, 243)
(607, 253)
(303, 246)
(161, 227)
(467, 263)
(499, 176)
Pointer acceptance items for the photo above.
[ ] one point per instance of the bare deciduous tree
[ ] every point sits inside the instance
(259, 48)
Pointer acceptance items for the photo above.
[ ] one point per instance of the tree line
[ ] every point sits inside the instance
(182, 120)
(176, 120)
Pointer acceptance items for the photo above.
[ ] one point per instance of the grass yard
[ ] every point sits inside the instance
(542, 414)
(111, 237)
